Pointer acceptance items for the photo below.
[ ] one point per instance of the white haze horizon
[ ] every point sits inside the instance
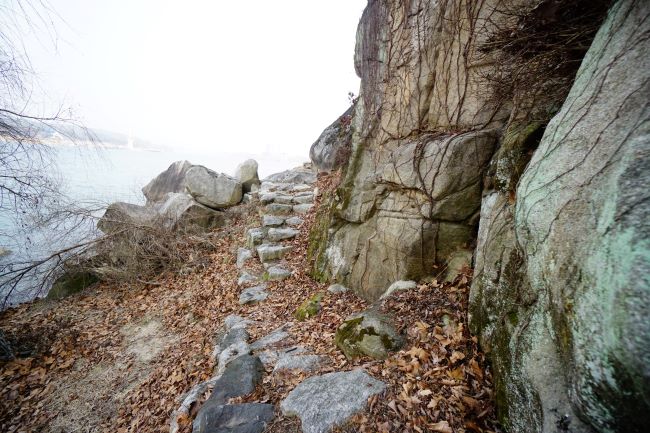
(202, 76)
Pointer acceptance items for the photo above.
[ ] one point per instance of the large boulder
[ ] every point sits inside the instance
(170, 180)
(561, 294)
(180, 211)
(215, 190)
(246, 173)
(333, 147)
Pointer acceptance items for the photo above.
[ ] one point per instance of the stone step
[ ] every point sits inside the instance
(253, 295)
(272, 220)
(255, 237)
(280, 209)
(280, 234)
(302, 208)
(293, 221)
(277, 273)
(271, 252)
(247, 279)
(243, 255)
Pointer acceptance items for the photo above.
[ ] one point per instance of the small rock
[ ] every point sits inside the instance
(277, 234)
(299, 362)
(309, 308)
(279, 209)
(254, 237)
(398, 286)
(269, 252)
(293, 221)
(246, 279)
(253, 295)
(337, 288)
(277, 273)
(327, 401)
(233, 418)
(302, 208)
(243, 255)
(368, 333)
(272, 220)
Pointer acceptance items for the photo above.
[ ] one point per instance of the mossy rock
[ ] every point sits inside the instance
(71, 283)
(368, 333)
(309, 308)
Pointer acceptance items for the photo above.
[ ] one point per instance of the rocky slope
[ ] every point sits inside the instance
(467, 140)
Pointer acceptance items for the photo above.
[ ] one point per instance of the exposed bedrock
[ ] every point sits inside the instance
(556, 212)
(562, 293)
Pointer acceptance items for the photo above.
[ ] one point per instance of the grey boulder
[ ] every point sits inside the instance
(180, 211)
(215, 190)
(170, 180)
(246, 173)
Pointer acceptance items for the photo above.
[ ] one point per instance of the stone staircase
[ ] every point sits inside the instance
(321, 402)
(282, 203)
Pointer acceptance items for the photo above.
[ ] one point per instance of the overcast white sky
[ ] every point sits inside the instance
(206, 75)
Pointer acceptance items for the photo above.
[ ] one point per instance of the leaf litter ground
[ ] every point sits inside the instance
(118, 358)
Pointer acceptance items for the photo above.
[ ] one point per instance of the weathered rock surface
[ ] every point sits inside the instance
(215, 190)
(324, 402)
(557, 298)
(333, 146)
(246, 173)
(272, 220)
(368, 333)
(170, 180)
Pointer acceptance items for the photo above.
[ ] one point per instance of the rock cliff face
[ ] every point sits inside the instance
(452, 149)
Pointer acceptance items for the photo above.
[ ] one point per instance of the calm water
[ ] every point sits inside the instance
(110, 175)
